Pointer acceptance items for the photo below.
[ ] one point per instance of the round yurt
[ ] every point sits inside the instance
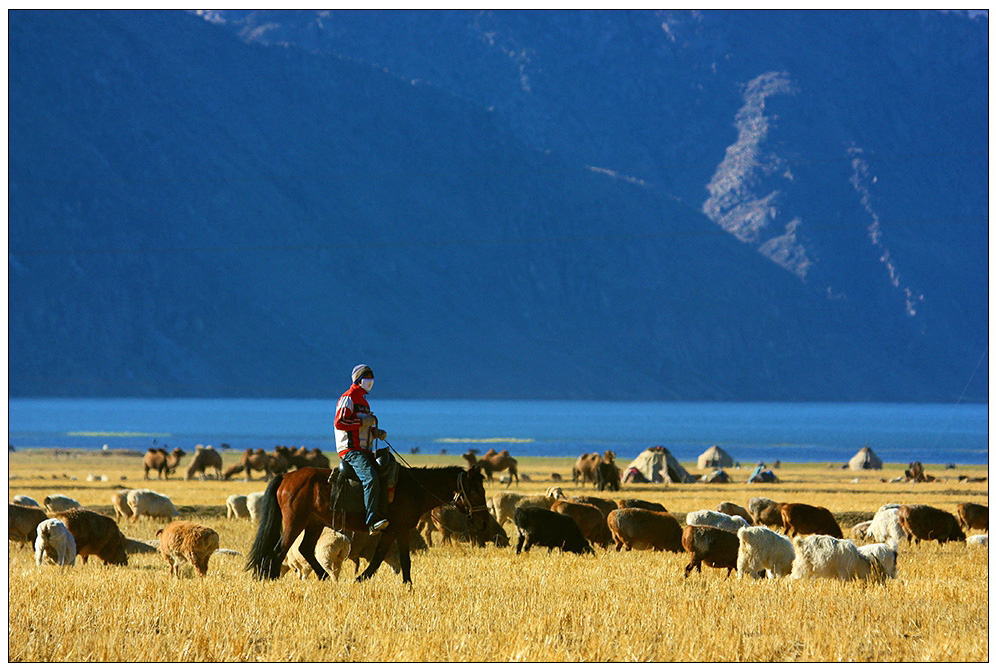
(715, 457)
(656, 464)
(865, 459)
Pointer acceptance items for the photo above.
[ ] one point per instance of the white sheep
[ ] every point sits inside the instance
(819, 556)
(119, 500)
(150, 504)
(236, 507)
(860, 531)
(54, 544)
(764, 549)
(982, 540)
(58, 503)
(23, 500)
(503, 504)
(714, 518)
(254, 502)
(885, 527)
(331, 550)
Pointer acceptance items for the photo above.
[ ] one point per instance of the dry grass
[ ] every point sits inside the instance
(475, 605)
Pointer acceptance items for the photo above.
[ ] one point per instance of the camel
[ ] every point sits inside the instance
(204, 458)
(494, 462)
(586, 467)
(259, 460)
(157, 459)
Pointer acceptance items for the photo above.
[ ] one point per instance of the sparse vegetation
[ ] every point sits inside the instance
(478, 605)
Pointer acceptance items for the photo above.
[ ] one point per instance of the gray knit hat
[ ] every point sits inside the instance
(361, 371)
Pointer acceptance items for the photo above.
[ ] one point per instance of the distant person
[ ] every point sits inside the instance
(355, 429)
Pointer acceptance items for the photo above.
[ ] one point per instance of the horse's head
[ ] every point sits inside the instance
(471, 498)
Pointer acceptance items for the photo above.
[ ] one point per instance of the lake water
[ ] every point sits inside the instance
(750, 432)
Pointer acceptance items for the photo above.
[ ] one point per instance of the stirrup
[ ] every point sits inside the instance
(378, 526)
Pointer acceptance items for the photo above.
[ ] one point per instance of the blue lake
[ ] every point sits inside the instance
(792, 432)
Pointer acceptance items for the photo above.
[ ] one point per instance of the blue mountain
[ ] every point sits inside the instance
(618, 205)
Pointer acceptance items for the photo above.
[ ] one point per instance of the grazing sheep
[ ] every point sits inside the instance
(150, 504)
(589, 519)
(254, 503)
(119, 500)
(732, 509)
(711, 546)
(929, 523)
(982, 540)
(331, 550)
(713, 518)
(762, 549)
(237, 507)
(451, 522)
(54, 544)
(95, 534)
(973, 516)
(58, 503)
(636, 528)
(860, 531)
(765, 511)
(22, 523)
(821, 556)
(605, 505)
(503, 504)
(802, 519)
(189, 542)
(543, 527)
(23, 500)
(885, 527)
(640, 503)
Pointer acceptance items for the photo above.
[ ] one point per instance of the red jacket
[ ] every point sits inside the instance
(351, 431)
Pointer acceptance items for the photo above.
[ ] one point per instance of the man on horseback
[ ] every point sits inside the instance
(355, 430)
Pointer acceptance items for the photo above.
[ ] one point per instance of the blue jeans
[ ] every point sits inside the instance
(362, 462)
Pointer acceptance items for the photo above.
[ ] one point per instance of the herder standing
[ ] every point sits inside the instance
(355, 430)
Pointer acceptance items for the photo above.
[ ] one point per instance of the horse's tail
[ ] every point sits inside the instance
(266, 552)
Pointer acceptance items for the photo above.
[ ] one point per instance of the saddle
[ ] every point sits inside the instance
(347, 490)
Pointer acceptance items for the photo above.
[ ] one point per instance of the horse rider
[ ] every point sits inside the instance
(355, 429)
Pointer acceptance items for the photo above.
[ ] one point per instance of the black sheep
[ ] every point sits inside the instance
(539, 526)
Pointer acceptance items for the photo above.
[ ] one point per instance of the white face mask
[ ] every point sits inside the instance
(367, 383)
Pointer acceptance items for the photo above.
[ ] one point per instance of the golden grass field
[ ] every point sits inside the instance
(489, 605)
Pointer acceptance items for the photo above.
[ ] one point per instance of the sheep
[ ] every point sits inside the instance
(762, 549)
(23, 500)
(860, 531)
(982, 540)
(119, 500)
(711, 546)
(58, 503)
(95, 534)
(730, 508)
(236, 507)
(713, 518)
(821, 556)
(885, 527)
(54, 543)
(331, 550)
(22, 523)
(150, 504)
(765, 511)
(644, 529)
(189, 542)
(503, 504)
(551, 492)
(254, 503)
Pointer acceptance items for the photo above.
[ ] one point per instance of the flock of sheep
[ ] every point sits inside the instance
(730, 537)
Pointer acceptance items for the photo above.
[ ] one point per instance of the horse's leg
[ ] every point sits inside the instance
(378, 556)
(406, 559)
(307, 549)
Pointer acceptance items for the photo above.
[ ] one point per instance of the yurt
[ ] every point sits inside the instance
(715, 457)
(656, 464)
(865, 459)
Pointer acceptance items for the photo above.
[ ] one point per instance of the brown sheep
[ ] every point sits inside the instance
(187, 541)
(766, 512)
(929, 523)
(157, 459)
(204, 458)
(95, 534)
(451, 522)
(605, 505)
(710, 546)
(119, 500)
(639, 503)
(590, 520)
(801, 519)
(973, 516)
(643, 529)
(731, 509)
(22, 523)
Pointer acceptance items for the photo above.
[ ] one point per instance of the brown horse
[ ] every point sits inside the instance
(301, 501)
